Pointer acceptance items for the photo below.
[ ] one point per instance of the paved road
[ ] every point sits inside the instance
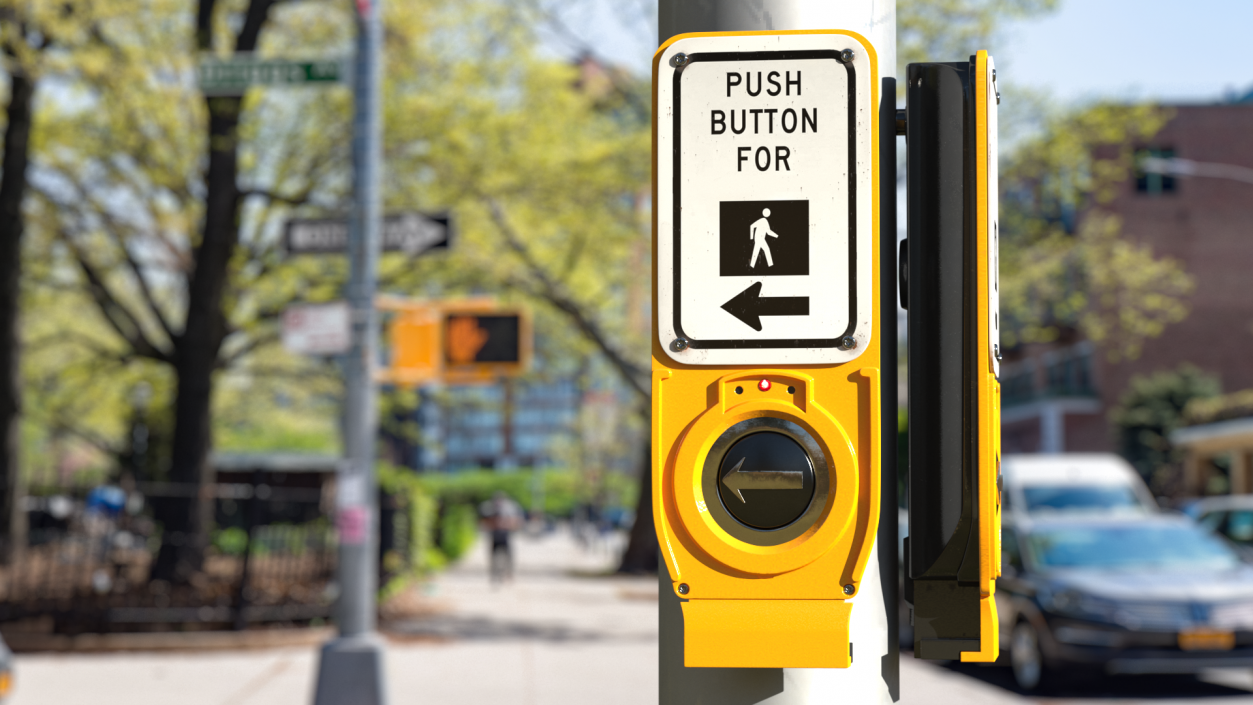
(562, 633)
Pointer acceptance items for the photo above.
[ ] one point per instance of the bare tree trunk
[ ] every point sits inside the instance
(13, 181)
(187, 520)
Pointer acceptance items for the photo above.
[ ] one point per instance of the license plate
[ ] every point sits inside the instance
(1207, 640)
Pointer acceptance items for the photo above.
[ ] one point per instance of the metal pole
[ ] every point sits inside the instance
(351, 667)
(874, 675)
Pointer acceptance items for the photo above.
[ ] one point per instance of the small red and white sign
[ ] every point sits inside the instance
(317, 329)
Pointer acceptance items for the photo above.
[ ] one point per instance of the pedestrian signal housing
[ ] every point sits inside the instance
(765, 388)
(455, 342)
(953, 549)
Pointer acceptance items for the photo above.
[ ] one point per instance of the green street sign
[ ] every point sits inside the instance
(233, 76)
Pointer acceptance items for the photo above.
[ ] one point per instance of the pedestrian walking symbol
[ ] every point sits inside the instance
(764, 238)
(759, 232)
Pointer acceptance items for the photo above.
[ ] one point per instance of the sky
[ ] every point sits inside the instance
(1164, 50)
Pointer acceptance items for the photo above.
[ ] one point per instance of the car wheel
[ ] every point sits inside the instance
(1025, 656)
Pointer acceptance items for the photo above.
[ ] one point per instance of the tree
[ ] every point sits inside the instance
(16, 156)
(131, 224)
(951, 30)
(152, 228)
(1151, 408)
(29, 32)
(543, 172)
(1065, 265)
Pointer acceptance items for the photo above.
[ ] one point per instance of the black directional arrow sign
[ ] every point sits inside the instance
(749, 306)
(738, 479)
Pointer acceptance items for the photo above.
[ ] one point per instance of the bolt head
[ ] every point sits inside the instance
(679, 60)
(849, 589)
(848, 342)
(679, 344)
(684, 589)
(847, 56)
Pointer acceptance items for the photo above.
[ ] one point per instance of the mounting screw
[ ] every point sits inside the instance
(847, 56)
(679, 60)
(849, 589)
(848, 342)
(996, 352)
(684, 589)
(679, 344)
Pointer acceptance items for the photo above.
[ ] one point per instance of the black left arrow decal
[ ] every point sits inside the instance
(749, 306)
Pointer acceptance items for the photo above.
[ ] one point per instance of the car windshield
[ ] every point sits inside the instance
(1079, 497)
(1130, 547)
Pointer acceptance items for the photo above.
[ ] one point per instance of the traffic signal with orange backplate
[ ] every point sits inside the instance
(464, 341)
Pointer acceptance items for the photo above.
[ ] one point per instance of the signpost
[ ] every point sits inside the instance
(410, 233)
(317, 329)
(231, 76)
(350, 667)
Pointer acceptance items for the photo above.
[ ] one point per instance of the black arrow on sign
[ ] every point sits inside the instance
(738, 479)
(749, 306)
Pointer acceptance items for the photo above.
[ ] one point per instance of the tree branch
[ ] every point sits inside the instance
(113, 228)
(72, 337)
(144, 289)
(204, 25)
(251, 345)
(61, 424)
(552, 292)
(118, 316)
(258, 11)
(271, 195)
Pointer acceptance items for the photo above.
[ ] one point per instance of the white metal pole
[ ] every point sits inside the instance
(874, 675)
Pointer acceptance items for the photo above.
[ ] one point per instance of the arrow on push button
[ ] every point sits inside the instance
(737, 480)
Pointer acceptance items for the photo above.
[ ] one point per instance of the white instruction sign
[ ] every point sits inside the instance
(765, 198)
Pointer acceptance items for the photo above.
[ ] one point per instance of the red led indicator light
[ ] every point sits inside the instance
(764, 385)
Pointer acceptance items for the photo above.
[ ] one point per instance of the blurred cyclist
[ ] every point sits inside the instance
(502, 516)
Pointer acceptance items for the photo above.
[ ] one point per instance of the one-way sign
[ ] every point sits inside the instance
(766, 198)
(410, 233)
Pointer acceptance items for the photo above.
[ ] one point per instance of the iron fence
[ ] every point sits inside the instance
(86, 564)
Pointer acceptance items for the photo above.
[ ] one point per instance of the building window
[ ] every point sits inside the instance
(1068, 373)
(1018, 383)
(1154, 183)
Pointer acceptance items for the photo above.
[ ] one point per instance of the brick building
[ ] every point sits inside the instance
(1058, 397)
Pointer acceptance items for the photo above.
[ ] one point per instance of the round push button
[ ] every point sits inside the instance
(766, 480)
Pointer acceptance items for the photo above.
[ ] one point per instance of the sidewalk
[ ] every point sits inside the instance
(560, 633)
(555, 635)
(564, 633)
